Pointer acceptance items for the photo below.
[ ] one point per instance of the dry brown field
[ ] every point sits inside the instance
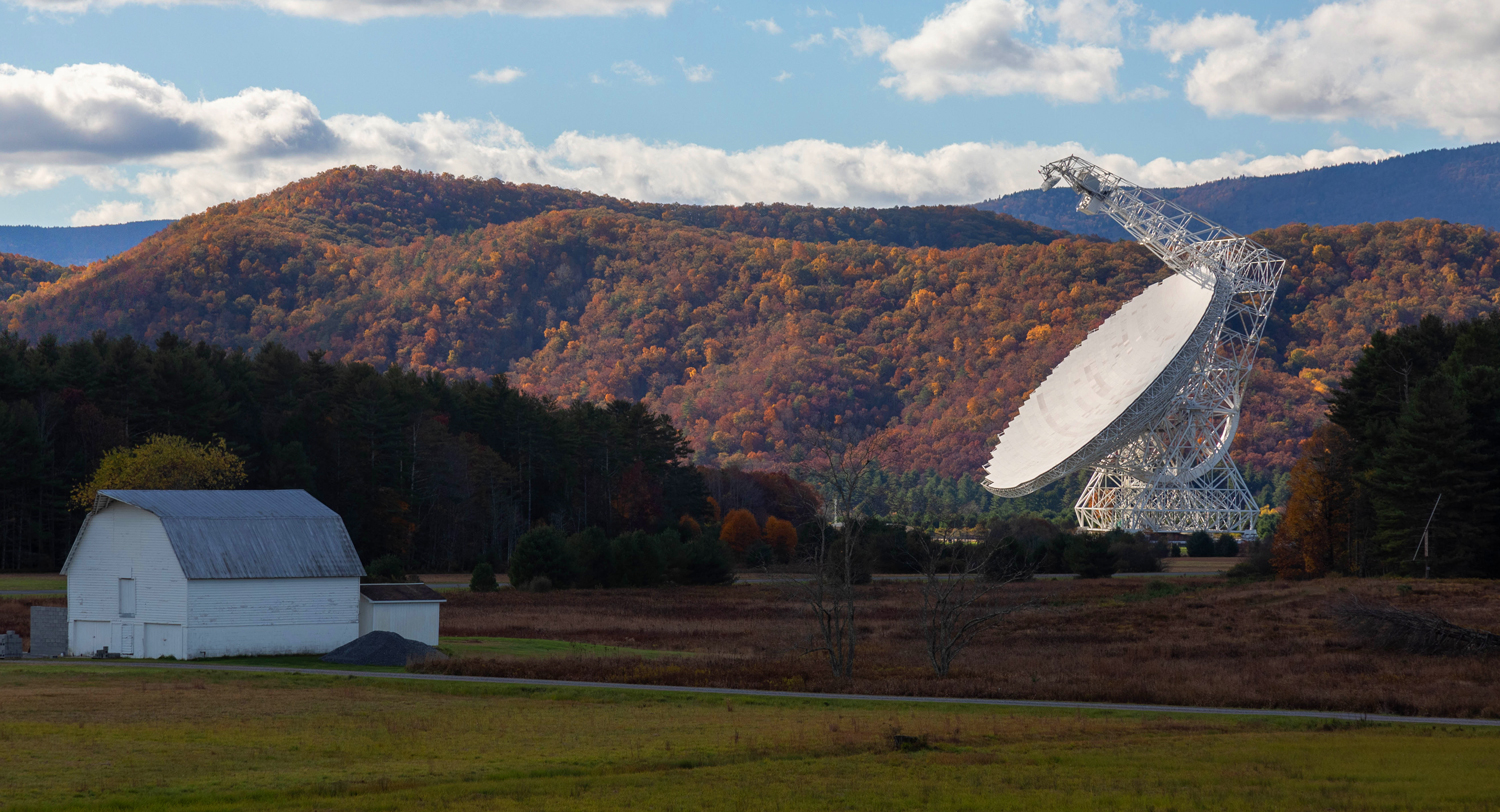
(1184, 641)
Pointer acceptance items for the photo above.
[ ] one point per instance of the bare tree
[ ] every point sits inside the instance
(961, 579)
(843, 473)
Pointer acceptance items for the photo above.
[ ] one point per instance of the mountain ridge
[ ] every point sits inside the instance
(743, 337)
(1459, 185)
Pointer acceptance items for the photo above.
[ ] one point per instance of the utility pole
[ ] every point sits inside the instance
(1424, 545)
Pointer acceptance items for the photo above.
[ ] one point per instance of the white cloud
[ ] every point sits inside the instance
(981, 48)
(361, 10)
(636, 73)
(766, 26)
(123, 131)
(695, 73)
(111, 211)
(1435, 63)
(503, 76)
(866, 40)
(809, 11)
(1092, 21)
(782, 77)
(804, 44)
(1144, 92)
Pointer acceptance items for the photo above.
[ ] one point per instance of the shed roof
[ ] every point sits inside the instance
(400, 593)
(245, 534)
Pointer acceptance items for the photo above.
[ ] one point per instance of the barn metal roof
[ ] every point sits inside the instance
(400, 593)
(246, 534)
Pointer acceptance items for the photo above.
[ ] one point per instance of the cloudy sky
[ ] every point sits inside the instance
(116, 110)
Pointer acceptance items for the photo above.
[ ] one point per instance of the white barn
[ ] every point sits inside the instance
(211, 574)
(410, 610)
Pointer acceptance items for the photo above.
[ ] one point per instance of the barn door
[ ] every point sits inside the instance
(127, 639)
(163, 640)
(89, 636)
(127, 597)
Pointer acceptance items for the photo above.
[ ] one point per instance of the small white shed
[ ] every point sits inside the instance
(211, 574)
(410, 610)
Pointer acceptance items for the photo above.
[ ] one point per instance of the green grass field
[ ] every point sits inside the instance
(462, 647)
(15, 582)
(92, 737)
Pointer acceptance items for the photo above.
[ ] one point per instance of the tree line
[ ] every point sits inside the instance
(1412, 444)
(440, 473)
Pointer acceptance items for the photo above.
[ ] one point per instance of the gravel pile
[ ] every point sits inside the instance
(381, 648)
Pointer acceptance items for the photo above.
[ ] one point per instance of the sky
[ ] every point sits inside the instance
(120, 110)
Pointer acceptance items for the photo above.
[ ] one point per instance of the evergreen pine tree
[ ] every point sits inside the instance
(1431, 452)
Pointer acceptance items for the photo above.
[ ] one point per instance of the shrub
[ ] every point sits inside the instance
(637, 560)
(761, 555)
(1052, 557)
(781, 537)
(483, 579)
(1257, 563)
(1226, 546)
(1006, 560)
(1200, 545)
(387, 569)
(1089, 556)
(1132, 552)
(740, 531)
(703, 560)
(590, 552)
(888, 547)
(542, 552)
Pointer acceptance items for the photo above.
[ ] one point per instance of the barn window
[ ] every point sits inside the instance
(127, 597)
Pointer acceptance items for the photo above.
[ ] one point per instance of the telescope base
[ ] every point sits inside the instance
(1217, 502)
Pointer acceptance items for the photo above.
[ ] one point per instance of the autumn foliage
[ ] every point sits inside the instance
(740, 531)
(164, 462)
(1315, 536)
(924, 327)
(781, 536)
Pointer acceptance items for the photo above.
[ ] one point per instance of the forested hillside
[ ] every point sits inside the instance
(439, 473)
(21, 274)
(1413, 448)
(743, 340)
(1458, 185)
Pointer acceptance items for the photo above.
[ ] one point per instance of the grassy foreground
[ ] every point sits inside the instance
(20, 582)
(517, 647)
(86, 737)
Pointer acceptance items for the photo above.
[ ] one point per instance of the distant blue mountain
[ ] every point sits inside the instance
(1458, 185)
(76, 245)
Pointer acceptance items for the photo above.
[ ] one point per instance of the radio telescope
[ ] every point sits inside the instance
(1151, 399)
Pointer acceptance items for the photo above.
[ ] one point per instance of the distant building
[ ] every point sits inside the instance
(211, 574)
(410, 610)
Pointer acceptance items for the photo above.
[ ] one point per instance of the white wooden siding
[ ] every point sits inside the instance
(122, 542)
(410, 619)
(271, 615)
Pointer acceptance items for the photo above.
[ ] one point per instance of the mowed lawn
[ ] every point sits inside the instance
(84, 737)
(41, 582)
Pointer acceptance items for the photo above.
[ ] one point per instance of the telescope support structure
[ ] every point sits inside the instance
(1177, 476)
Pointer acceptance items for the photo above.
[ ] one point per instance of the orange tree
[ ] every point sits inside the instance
(740, 531)
(1316, 537)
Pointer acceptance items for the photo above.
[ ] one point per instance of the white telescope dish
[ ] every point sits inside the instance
(1151, 399)
(1110, 388)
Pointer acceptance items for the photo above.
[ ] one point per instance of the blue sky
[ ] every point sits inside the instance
(116, 110)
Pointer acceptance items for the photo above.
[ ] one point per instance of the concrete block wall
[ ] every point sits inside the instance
(10, 644)
(49, 631)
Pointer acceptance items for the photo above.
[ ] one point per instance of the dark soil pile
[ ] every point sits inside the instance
(382, 648)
